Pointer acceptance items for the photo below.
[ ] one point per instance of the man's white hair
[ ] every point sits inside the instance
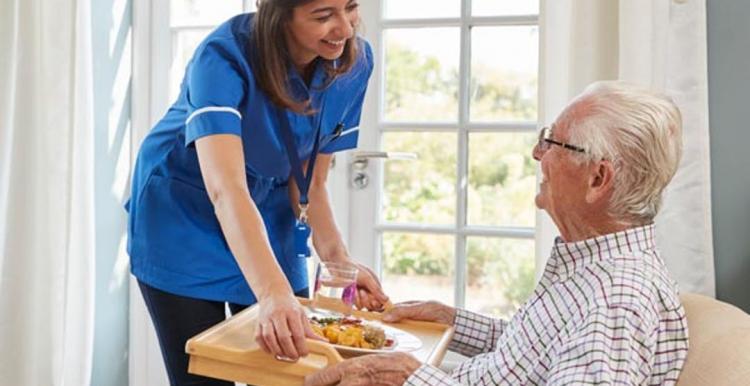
(640, 132)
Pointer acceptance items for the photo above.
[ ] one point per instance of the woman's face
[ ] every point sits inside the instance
(321, 28)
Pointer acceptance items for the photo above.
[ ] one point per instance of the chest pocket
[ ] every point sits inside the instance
(334, 123)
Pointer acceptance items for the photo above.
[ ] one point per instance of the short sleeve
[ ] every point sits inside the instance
(215, 89)
(349, 135)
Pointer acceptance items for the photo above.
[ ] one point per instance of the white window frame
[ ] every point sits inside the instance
(375, 28)
(145, 364)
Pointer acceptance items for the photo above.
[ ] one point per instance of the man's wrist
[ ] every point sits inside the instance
(451, 315)
(443, 313)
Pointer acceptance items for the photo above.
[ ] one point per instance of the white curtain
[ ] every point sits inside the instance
(46, 193)
(656, 43)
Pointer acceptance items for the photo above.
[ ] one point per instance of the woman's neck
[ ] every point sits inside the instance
(306, 71)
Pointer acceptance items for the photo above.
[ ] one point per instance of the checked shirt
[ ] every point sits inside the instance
(604, 312)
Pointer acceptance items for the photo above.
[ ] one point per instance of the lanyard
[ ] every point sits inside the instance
(303, 180)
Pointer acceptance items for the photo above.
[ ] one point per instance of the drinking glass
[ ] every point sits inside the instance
(336, 280)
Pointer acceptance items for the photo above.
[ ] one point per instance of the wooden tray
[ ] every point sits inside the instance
(228, 350)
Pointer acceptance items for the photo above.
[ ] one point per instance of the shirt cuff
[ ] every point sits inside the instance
(474, 333)
(427, 375)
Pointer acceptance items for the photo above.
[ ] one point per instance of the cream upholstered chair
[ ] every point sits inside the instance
(719, 343)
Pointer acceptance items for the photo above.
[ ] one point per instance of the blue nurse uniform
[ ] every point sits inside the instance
(175, 242)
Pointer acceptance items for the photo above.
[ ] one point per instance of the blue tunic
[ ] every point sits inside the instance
(175, 242)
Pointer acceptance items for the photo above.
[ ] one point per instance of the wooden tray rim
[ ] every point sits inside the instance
(196, 345)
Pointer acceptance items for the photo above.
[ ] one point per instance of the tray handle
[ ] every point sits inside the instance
(324, 349)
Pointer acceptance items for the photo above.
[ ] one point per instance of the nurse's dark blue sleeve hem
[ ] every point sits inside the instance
(212, 122)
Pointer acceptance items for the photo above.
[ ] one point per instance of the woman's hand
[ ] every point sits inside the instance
(370, 293)
(391, 369)
(283, 326)
(417, 310)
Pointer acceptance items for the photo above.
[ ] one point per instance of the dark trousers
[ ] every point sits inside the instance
(179, 318)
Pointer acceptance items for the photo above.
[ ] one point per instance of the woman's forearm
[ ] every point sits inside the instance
(246, 235)
(222, 165)
(326, 236)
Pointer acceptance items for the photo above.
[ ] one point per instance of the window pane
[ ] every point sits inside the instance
(500, 274)
(423, 190)
(183, 46)
(250, 6)
(417, 9)
(421, 74)
(502, 179)
(418, 267)
(202, 12)
(504, 63)
(504, 7)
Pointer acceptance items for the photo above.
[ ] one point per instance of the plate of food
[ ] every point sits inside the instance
(354, 336)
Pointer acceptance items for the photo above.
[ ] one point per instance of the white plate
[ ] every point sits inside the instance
(402, 341)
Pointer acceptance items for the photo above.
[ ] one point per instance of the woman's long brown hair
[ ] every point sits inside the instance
(272, 59)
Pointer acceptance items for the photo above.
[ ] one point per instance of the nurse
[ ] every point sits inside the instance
(229, 184)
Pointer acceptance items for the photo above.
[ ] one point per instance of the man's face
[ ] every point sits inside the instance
(563, 187)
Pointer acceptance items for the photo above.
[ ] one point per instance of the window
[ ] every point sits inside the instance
(190, 21)
(458, 86)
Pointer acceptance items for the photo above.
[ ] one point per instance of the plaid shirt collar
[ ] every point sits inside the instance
(568, 257)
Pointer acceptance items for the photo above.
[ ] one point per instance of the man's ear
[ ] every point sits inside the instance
(601, 181)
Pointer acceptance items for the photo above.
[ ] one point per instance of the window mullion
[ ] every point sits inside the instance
(463, 153)
(482, 127)
(455, 22)
(378, 46)
(161, 58)
(248, 5)
(192, 28)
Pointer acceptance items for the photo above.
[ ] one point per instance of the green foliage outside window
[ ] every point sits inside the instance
(501, 173)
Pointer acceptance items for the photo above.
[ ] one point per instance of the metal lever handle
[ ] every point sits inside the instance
(363, 155)
(358, 173)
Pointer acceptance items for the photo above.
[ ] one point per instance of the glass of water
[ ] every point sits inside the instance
(336, 280)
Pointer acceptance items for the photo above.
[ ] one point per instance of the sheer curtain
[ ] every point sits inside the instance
(656, 43)
(46, 193)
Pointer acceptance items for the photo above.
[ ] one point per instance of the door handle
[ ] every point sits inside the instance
(361, 155)
(360, 159)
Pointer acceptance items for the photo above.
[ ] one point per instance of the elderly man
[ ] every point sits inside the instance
(605, 310)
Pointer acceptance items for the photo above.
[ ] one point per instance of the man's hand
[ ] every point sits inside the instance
(417, 310)
(380, 369)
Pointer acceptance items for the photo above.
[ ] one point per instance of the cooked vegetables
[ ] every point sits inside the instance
(350, 332)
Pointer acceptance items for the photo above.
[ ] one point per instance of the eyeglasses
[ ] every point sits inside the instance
(545, 141)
